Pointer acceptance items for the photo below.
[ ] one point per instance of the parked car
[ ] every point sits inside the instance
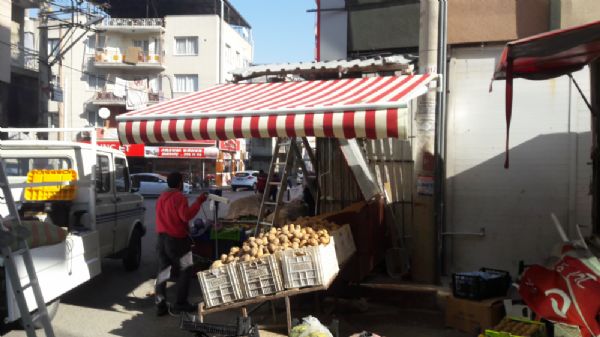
(244, 179)
(153, 184)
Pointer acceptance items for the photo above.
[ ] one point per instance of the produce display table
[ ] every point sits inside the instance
(242, 305)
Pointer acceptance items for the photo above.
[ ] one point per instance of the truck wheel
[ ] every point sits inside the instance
(52, 308)
(133, 254)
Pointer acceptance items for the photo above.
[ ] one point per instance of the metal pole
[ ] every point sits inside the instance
(440, 137)
(43, 69)
(425, 234)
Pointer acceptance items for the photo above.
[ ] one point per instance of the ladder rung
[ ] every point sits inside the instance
(30, 284)
(275, 183)
(18, 252)
(262, 223)
(270, 203)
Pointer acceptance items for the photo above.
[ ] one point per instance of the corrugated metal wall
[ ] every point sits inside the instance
(390, 162)
(338, 186)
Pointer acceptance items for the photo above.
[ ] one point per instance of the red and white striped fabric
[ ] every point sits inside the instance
(346, 108)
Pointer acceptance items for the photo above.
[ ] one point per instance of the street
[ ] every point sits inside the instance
(116, 303)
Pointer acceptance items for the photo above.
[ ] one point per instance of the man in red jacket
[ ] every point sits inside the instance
(172, 217)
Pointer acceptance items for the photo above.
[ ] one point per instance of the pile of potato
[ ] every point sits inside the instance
(317, 223)
(290, 236)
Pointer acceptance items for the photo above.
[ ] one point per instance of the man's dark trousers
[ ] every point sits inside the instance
(170, 251)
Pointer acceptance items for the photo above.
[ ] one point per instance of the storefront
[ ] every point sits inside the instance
(203, 162)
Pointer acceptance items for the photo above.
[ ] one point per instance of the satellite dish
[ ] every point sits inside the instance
(104, 113)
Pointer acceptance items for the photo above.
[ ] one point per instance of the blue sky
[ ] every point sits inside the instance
(282, 29)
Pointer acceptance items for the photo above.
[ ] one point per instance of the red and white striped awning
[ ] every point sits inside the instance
(368, 107)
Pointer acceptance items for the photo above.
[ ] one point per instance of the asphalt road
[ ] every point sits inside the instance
(117, 303)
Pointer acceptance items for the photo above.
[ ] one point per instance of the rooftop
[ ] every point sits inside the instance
(335, 68)
(162, 8)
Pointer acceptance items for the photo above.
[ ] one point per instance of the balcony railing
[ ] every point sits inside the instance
(117, 57)
(133, 22)
(109, 98)
(24, 58)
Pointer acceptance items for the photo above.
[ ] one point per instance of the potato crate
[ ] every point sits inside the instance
(262, 277)
(344, 243)
(517, 327)
(220, 285)
(309, 266)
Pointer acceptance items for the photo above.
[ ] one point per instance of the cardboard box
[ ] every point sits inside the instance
(473, 316)
(566, 330)
(344, 244)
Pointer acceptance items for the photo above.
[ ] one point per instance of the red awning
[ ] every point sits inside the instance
(346, 108)
(545, 56)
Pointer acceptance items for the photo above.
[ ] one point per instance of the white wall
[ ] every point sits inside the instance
(5, 24)
(237, 52)
(205, 64)
(550, 149)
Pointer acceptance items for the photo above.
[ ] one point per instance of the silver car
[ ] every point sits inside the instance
(153, 184)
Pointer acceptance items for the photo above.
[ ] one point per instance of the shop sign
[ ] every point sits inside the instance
(180, 152)
(229, 145)
(130, 150)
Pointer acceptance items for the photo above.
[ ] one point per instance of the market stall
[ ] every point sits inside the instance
(375, 107)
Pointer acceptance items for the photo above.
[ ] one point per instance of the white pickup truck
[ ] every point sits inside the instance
(103, 219)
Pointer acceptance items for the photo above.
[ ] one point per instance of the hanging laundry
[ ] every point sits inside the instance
(120, 88)
(137, 94)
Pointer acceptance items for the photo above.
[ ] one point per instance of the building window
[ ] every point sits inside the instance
(186, 83)
(53, 47)
(186, 45)
(90, 46)
(96, 82)
(142, 44)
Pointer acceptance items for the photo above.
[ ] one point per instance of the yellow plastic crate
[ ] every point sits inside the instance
(52, 192)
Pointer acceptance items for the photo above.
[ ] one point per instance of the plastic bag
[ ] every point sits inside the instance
(310, 327)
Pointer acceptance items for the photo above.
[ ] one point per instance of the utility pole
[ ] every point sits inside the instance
(61, 83)
(424, 233)
(43, 68)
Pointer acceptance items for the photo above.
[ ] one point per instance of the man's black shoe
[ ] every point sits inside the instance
(184, 307)
(162, 309)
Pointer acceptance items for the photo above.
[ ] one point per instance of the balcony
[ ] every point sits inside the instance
(24, 58)
(133, 59)
(133, 25)
(107, 98)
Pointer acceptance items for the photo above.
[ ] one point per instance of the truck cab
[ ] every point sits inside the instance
(99, 218)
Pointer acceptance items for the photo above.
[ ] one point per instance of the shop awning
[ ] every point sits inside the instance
(545, 56)
(370, 107)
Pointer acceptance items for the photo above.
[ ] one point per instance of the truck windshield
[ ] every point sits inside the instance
(19, 167)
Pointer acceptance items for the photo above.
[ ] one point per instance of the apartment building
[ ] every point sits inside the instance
(19, 68)
(127, 62)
